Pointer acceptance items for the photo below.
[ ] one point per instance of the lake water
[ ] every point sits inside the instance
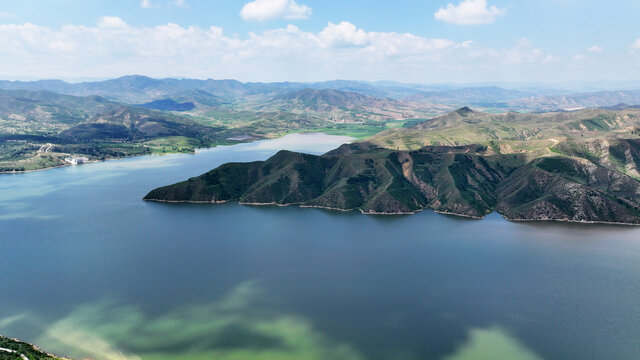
(89, 270)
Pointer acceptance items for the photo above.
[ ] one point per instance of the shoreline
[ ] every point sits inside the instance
(33, 347)
(569, 221)
(300, 205)
(34, 170)
(92, 162)
(185, 201)
(461, 215)
(193, 152)
(59, 166)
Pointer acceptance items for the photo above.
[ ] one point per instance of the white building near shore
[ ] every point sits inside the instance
(76, 160)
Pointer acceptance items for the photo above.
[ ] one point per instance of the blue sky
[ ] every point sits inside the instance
(308, 40)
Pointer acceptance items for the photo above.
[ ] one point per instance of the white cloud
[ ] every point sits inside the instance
(469, 12)
(636, 45)
(343, 34)
(145, 4)
(114, 48)
(113, 22)
(595, 49)
(261, 10)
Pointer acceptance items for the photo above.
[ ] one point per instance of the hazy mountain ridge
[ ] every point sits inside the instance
(573, 101)
(470, 95)
(341, 105)
(137, 87)
(140, 89)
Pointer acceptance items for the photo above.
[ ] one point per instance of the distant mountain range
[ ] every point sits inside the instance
(136, 89)
(337, 104)
(576, 101)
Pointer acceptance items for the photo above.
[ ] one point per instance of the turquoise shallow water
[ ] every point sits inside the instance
(89, 270)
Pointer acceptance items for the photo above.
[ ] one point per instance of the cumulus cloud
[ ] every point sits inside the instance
(469, 12)
(595, 49)
(344, 33)
(261, 10)
(145, 4)
(7, 15)
(636, 45)
(114, 48)
(111, 22)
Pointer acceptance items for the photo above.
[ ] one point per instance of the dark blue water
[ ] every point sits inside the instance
(89, 270)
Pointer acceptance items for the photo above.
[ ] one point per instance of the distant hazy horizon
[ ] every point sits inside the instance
(586, 86)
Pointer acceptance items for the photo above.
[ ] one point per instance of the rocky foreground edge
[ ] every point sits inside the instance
(16, 349)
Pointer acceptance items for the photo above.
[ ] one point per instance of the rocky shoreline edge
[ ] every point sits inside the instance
(13, 342)
(548, 220)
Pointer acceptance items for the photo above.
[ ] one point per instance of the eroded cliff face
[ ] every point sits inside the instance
(464, 180)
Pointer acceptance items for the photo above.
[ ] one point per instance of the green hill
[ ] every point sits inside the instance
(466, 180)
(580, 166)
